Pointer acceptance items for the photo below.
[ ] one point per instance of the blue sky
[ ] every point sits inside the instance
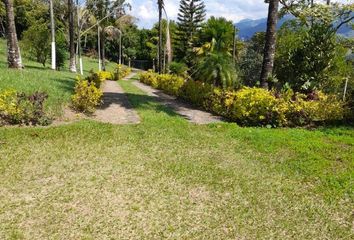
(235, 10)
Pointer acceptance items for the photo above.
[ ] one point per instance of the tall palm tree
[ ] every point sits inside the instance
(13, 49)
(270, 41)
(72, 64)
(160, 4)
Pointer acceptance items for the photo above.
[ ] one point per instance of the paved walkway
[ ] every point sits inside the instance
(187, 111)
(116, 108)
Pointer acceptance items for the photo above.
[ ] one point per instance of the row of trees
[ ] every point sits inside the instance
(30, 21)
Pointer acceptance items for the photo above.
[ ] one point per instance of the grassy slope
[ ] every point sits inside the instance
(58, 84)
(166, 178)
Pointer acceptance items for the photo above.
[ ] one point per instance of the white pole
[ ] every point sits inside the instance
(345, 89)
(53, 35)
(99, 48)
(120, 47)
(79, 37)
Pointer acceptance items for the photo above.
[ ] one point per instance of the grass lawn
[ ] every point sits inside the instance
(58, 85)
(167, 178)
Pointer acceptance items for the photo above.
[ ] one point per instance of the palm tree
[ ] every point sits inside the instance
(160, 4)
(215, 64)
(72, 64)
(13, 50)
(270, 40)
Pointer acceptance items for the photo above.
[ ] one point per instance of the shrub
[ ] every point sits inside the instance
(315, 107)
(87, 96)
(171, 84)
(36, 42)
(20, 108)
(252, 106)
(105, 75)
(60, 49)
(179, 69)
(97, 78)
(259, 107)
(149, 78)
(196, 92)
(121, 72)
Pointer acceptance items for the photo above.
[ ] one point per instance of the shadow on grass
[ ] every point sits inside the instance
(136, 101)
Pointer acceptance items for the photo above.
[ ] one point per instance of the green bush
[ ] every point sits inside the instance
(20, 108)
(149, 78)
(36, 42)
(60, 49)
(87, 96)
(179, 69)
(196, 92)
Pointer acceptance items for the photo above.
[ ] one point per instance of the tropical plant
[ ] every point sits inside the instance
(190, 18)
(217, 68)
(215, 64)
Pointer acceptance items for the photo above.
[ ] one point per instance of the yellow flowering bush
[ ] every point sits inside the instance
(87, 96)
(255, 106)
(121, 72)
(105, 75)
(96, 78)
(252, 106)
(197, 93)
(20, 108)
(260, 107)
(171, 84)
(149, 78)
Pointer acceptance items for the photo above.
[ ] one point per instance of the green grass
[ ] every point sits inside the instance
(167, 178)
(58, 85)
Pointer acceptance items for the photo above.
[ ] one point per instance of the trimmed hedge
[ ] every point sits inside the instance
(252, 106)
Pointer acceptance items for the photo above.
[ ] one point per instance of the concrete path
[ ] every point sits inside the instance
(116, 108)
(187, 111)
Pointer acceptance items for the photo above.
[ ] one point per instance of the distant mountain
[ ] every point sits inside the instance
(248, 27)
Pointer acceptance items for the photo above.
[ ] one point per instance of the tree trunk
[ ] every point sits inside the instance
(72, 64)
(103, 52)
(328, 2)
(13, 50)
(270, 41)
(160, 37)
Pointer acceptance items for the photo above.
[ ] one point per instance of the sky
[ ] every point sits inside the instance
(236, 10)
